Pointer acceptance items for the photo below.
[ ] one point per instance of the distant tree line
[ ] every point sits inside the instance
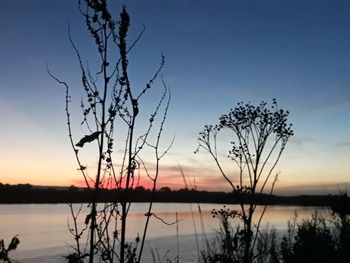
(26, 193)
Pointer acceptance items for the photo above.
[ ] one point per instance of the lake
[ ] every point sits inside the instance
(42, 228)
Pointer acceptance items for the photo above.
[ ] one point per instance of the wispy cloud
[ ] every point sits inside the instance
(300, 141)
(343, 145)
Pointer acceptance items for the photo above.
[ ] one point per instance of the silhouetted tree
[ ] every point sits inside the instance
(165, 189)
(259, 136)
(112, 106)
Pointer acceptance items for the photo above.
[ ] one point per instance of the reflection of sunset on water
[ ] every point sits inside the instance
(46, 225)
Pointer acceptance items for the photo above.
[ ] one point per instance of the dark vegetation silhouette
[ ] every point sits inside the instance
(258, 136)
(322, 238)
(5, 250)
(112, 114)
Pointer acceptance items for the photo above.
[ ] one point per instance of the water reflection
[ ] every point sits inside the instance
(42, 226)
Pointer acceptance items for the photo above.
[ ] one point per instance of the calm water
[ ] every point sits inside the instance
(44, 226)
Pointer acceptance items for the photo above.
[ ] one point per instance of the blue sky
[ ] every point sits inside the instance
(216, 55)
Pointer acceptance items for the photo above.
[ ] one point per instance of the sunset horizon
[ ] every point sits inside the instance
(255, 53)
(330, 188)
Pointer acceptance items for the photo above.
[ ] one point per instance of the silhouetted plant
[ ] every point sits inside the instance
(318, 239)
(287, 242)
(342, 239)
(259, 136)
(341, 223)
(313, 242)
(74, 258)
(227, 247)
(4, 251)
(267, 247)
(110, 107)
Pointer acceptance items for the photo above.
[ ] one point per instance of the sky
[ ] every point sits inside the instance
(217, 54)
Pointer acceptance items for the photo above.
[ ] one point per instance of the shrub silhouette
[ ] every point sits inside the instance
(228, 244)
(318, 239)
(313, 242)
